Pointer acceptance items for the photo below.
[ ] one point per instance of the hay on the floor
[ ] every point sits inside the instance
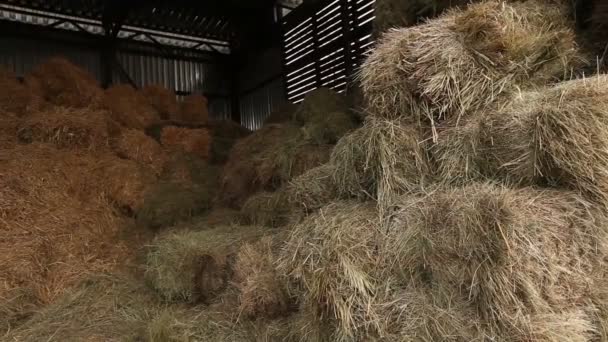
(187, 140)
(14, 96)
(62, 83)
(465, 60)
(262, 293)
(514, 255)
(281, 114)
(313, 189)
(195, 266)
(162, 99)
(137, 146)
(66, 128)
(554, 136)
(193, 109)
(129, 107)
(380, 160)
(269, 209)
(56, 225)
(126, 183)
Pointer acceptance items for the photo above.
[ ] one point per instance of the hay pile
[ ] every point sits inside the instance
(163, 100)
(313, 189)
(187, 140)
(14, 96)
(395, 13)
(129, 107)
(61, 83)
(281, 114)
(464, 61)
(193, 109)
(136, 146)
(224, 134)
(270, 209)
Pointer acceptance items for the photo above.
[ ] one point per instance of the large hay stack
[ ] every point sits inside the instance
(187, 140)
(129, 107)
(163, 100)
(134, 145)
(193, 109)
(14, 96)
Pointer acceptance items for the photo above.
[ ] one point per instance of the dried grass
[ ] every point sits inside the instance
(62, 83)
(14, 96)
(196, 141)
(380, 160)
(225, 134)
(313, 189)
(329, 127)
(193, 109)
(219, 216)
(162, 99)
(395, 13)
(129, 107)
(269, 209)
(284, 113)
(125, 182)
(466, 60)
(190, 171)
(137, 146)
(319, 103)
(66, 128)
(195, 266)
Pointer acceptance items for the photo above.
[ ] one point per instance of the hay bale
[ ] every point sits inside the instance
(129, 107)
(518, 257)
(162, 99)
(224, 135)
(297, 157)
(330, 127)
(137, 146)
(319, 103)
(193, 109)
(187, 140)
(126, 183)
(62, 83)
(14, 96)
(261, 291)
(189, 171)
(380, 160)
(269, 209)
(283, 113)
(66, 128)
(195, 266)
(554, 136)
(313, 189)
(466, 60)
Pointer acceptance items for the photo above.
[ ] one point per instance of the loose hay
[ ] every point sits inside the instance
(14, 96)
(137, 146)
(190, 171)
(66, 128)
(296, 157)
(62, 83)
(282, 114)
(313, 189)
(396, 13)
(129, 107)
(224, 134)
(126, 183)
(193, 109)
(318, 103)
(267, 209)
(163, 100)
(195, 265)
(329, 127)
(188, 140)
(380, 160)
(467, 59)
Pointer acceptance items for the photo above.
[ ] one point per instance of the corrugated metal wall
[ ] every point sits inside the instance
(256, 106)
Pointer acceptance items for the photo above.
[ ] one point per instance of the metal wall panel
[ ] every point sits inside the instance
(257, 105)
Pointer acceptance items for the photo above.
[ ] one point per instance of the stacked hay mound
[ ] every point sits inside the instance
(61, 83)
(196, 141)
(224, 134)
(281, 114)
(135, 145)
(129, 107)
(14, 96)
(425, 247)
(163, 100)
(193, 110)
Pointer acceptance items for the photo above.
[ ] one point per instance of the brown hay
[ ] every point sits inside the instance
(297, 157)
(525, 260)
(467, 59)
(129, 107)
(195, 141)
(318, 103)
(66, 128)
(126, 182)
(269, 209)
(553, 136)
(62, 83)
(261, 292)
(281, 114)
(14, 96)
(313, 189)
(329, 127)
(220, 216)
(380, 160)
(195, 265)
(193, 109)
(162, 99)
(56, 225)
(224, 135)
(189, 170)
(136, 146)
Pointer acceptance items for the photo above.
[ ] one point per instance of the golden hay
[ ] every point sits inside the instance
(261, 292)
(66, 128)
(281, 114)
(188, 140)
(313, 189)
(137, 146)
(515, 256)
(467, 59)
(56, 225)
(269, 209)
(195, 266)
(553, 136)
(125, 182)
(193, 109)
(130, 108)
(380, 160)
(62, 83)
(14, 96)
(162, 99)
